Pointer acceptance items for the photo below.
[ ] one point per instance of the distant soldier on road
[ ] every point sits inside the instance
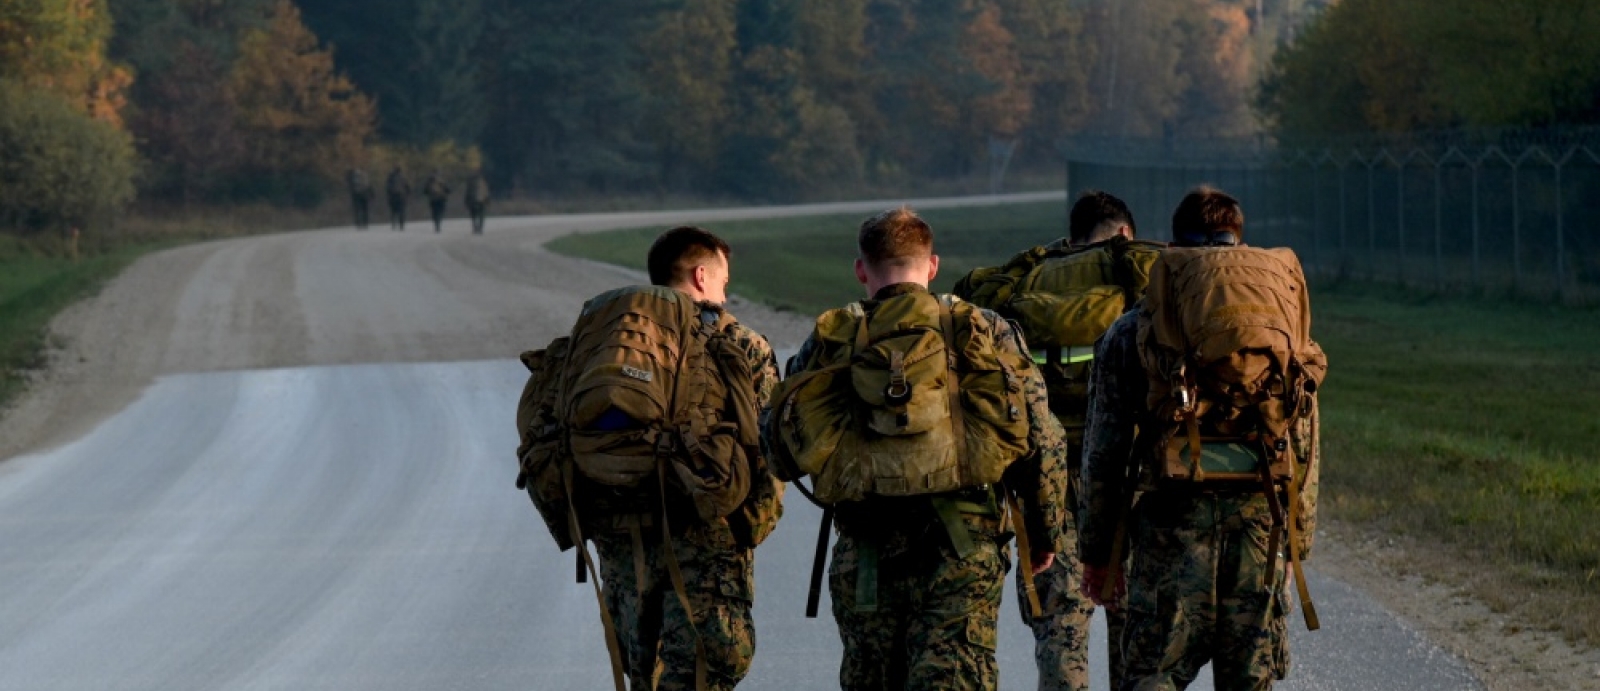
(477, 199)
(438, 193)
(360, 194)
(399, 189)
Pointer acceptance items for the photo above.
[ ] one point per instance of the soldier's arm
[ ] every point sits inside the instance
(1116, 398)
(797, 364)
(1040, 480)
(1307, 437)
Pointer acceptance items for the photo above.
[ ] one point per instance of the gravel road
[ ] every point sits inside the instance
(283, 462)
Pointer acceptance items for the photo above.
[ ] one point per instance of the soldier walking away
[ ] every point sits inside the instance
(399, 189)
(1205, 468)
(360, 195)
(438, 192)
(644, 439)
(477, 200)
(1093, 275)
(926, 432)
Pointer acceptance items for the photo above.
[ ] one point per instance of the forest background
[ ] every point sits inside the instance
(186, 104)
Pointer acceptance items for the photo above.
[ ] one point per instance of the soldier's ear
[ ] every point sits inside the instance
(861, 271)
(933, 266)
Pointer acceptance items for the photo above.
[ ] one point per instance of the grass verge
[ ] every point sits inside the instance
(1470, 424)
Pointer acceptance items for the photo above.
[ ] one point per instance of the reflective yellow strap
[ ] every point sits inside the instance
(1069, 356)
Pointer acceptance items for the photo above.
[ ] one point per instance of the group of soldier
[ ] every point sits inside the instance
(1187, 575)
(398, 191)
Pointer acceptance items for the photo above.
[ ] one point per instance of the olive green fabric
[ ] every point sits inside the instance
(1225, 338)
(880, 418)
(1063, 298)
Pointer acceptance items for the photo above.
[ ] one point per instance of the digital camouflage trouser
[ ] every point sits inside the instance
(656, 635)
(929, 622)
(1061, 632)
(1199, 592)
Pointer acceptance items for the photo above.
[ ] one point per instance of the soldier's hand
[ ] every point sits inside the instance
(1043, 561)
(1094, 585)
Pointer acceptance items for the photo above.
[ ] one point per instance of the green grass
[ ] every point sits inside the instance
(1470, 424)
(804, 264)
(38, 280)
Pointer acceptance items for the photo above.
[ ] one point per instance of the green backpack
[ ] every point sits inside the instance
(911, 398)
(1063, 298)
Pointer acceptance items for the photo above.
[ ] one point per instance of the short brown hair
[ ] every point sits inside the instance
(1207, 216)
(1096, 215)
(894, 236)
(676, 252)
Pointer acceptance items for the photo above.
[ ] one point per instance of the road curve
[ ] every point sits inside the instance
(292, 471)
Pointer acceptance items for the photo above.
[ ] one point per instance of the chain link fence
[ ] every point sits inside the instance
(1490, 211)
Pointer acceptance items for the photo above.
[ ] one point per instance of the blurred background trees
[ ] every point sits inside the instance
(226, 101)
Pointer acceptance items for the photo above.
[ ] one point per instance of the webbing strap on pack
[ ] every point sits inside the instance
(1024, 555)
(678, 583)
(866, 577)
(1308, 610)
(606, 624)
(1283, 528)
(958, 418)
(814, 596)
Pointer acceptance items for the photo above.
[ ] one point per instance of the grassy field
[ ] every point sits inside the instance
(1474, 425)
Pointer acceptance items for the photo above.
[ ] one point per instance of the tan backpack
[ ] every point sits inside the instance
(652, 377)
(1225, 338)
(914, 398)
(542, 455)
(1063, 298)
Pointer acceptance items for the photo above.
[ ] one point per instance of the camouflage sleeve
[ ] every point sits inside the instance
(763, 363)
(796, 365)
(1040, 480)
(1116, 400)
(1307, 436)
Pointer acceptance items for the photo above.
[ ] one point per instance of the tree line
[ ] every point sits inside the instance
(220, 101)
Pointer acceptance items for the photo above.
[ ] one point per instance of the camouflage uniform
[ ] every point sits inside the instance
(717, 561)
(918, 615)
(398, 188)
(438, 194)
(477, 201)
(1061, 631)
(360, 193)
(1197, 591)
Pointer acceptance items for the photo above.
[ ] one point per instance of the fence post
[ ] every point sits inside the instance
(1561, 247)
(1344, 179)
(1516, 227)
(1400, 215)
(1438, 223)
(1477, 276)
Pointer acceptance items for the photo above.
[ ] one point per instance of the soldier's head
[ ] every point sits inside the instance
(692, 260)
(896, 247)
(1097, 217)
(1207, 217)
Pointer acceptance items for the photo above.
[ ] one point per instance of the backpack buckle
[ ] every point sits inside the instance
(898, 392)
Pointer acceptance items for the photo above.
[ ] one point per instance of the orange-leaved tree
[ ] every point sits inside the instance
(298, 117)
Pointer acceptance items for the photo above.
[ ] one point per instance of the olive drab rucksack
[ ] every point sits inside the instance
(1063, 297)
(1225, 340)
(912, 398)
